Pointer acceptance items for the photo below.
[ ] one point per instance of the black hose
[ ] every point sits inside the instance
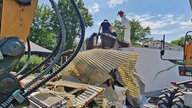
(70, 58)
(54, 52)
(58, 56)
(28, 58)
(11, 99)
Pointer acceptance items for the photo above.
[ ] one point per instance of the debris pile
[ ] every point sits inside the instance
(93, 78)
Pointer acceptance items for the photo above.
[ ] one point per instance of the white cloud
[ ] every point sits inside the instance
(154, 24)
(168, 16)
(159, 15)
(114, 3)
(141, 18)
(185, 23)
(163, 24)
(161, 32)
(149, 20)
(155, 21)
(94, 8)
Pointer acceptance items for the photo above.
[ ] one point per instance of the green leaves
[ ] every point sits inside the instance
(34, 61)
(45, 27)
(41, 30)
(178, 42)
(138, 32)
(71, 20)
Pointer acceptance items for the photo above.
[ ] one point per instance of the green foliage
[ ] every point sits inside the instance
(71, 20)
(41, 30)
(34, 61)
(147, 40)
(115, 25)
(179, 41)
(45, 27)
(138, 32)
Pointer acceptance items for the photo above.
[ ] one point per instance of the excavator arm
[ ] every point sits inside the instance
(15, 21)
(16, 17)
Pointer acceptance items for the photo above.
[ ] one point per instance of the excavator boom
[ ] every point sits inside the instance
(16, 18)
(15, 21)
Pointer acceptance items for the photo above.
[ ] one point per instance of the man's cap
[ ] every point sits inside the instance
(120, 12)
(105, 19)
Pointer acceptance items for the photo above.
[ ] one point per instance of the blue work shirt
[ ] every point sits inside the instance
(105, 27)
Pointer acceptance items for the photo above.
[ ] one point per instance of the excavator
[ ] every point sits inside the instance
(179, 95)
(89, 66)
(15, 21)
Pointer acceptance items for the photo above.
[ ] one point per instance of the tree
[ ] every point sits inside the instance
(179, 41)
(34, 61)
(41, 32)
(45, 27)
(115, 25)
(71, 20)
(138, 32)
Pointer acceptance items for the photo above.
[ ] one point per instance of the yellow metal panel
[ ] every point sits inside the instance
(17, 19)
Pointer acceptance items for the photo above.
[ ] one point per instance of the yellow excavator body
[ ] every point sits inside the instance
(16, 19)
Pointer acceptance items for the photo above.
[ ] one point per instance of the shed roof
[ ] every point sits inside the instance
(37, 50)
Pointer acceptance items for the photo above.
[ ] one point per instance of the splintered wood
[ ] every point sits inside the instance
(86, 95)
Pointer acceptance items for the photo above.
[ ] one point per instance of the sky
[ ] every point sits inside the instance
(169, 17)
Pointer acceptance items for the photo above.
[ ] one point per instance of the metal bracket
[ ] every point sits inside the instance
(17, 95)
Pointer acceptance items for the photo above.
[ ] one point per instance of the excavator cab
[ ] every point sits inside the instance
(186, 69)
(179, 95)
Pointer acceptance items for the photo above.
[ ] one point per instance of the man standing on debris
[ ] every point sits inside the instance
(105, 25)
(125, 26)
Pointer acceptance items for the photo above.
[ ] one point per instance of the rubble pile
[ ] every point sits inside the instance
(94, 78)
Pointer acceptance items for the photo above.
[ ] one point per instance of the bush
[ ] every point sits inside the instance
(34, 61)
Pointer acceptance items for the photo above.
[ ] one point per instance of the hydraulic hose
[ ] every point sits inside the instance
(45, 61)
(70, 58)
(58, 56)
(11, 98)
(28, 58)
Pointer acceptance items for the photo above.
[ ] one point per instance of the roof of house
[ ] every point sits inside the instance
(37, 50)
